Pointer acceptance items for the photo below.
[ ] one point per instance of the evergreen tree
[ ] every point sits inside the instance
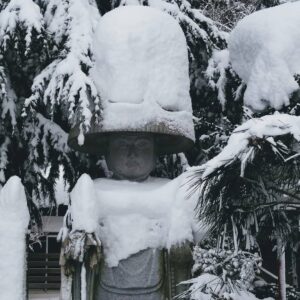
(45, 58)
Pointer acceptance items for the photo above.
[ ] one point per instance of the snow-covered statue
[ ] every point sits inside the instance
(144, 225)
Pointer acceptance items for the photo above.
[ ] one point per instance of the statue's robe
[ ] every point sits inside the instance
(147, 272)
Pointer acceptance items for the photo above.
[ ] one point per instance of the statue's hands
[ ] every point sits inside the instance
(78, 243)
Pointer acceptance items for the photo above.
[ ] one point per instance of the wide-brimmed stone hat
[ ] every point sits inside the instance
(141, 71)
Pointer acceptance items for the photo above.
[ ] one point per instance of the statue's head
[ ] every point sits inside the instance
(131, 156)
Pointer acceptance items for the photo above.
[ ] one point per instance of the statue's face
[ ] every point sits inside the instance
(131, 156)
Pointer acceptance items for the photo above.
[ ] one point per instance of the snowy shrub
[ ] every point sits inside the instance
(221, 272)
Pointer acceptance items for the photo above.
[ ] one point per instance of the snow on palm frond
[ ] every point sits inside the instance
(242, 141)
(255, 178)
(65, 81)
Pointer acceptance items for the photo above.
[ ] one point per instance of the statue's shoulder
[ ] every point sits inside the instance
(109, 183)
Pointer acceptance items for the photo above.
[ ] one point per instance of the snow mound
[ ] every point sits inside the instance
(264, 51)
(83, 208)
(238, 144)
(134, 216)
(14, 219)
(141, 70)
(202, 286)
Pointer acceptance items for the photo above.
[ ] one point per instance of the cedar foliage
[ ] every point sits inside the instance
(45, 57)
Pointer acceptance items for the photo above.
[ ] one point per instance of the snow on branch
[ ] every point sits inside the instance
(180, 14)
(39, 131)
(57, 135)
(217, 66)
(3, 159)
(7, 98)
(65, 81)
(240, 145)
(20, 12)
(188, 17)
(192, 20)
(14, 219)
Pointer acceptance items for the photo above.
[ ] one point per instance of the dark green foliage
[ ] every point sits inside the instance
(260, 198)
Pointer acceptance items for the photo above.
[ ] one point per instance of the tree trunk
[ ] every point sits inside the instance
(281, 269)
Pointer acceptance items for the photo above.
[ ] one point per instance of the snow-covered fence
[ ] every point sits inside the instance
(14, 219)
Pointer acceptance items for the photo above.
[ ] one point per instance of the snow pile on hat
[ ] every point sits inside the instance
(264, 51)
(141, 72)
(112, 209)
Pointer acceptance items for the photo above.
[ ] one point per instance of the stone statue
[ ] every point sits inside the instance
(143, 276)
(151, 117)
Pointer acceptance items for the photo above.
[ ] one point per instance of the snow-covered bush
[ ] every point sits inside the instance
(222, 273)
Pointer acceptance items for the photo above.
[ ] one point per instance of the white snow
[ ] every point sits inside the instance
(134, 216)
(61, 189)
(14, 219)
(25, 12)
(83, 208)
(264, 51)
(141, 70)
(238, 144)
(217, 64)
(3, 158)
(64, 79)
(8, 96)
(203, 285)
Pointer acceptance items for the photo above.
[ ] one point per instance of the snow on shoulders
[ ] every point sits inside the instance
(132, 216)
(264, 51)
(238, 144)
